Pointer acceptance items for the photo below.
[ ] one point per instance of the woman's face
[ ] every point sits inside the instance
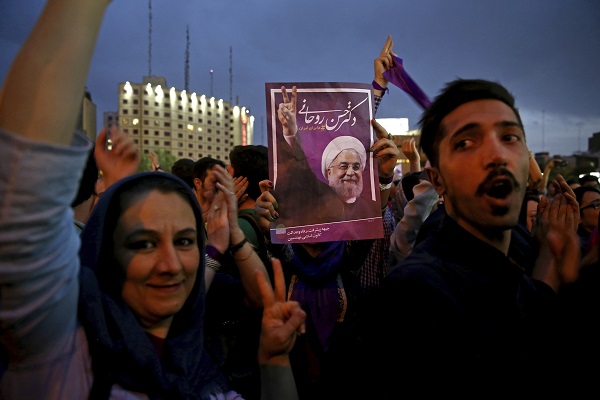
(156, 242)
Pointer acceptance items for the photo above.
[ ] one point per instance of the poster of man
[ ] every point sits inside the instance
(324, 177)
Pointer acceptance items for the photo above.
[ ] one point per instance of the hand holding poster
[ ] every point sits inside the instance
(325, 179)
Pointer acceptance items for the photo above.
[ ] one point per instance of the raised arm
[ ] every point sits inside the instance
(381, 64)
(49, 73)
(246, 259)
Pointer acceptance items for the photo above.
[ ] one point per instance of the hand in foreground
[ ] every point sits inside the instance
(266, 207)
(565, 213)
(282, 320)
(217, 223)
(385, 150)
(240, 186)
(558, 258)
(123, 160)
(287, 112)
(225, 184)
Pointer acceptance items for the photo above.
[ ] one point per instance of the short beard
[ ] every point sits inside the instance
(346, 191)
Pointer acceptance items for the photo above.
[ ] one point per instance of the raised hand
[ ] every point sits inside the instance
(240, 185)
(409, 148)
(287, 112)
(384, 150)
(217, 223)
(555, 230)
(384, 62)
(565, 212)
(282, 320)
(154, 160)
(123, 160)
(226, 186)
(266, 207)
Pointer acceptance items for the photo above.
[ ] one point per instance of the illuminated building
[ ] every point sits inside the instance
(185, 124)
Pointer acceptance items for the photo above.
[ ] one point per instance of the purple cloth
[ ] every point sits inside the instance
(318, 289)
(399, 77)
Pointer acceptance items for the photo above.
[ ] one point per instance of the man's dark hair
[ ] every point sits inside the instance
(408, 182)
(453, 95)
(572, 181)
(202, 166)
(588, 178)
(87, 183)
(251, 161)
(184, 169)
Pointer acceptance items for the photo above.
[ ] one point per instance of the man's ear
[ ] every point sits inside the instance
(197, 183)
(436, 180)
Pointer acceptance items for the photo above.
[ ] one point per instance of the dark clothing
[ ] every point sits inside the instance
(327, 287)
(584, 240)
(523, 249)
(233, 327)
(456, 312)
(306, 200)
(580, 307)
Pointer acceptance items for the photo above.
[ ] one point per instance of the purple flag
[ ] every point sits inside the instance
(399, 77)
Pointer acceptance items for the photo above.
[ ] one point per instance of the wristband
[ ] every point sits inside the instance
(212, 263)
(376, 86)
(385, 181)
(234, 248)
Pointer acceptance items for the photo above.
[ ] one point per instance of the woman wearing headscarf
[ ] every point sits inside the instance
(126, 319)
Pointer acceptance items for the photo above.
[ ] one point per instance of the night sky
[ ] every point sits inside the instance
(546, 52)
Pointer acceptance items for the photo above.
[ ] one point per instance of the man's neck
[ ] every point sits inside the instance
(498, 238)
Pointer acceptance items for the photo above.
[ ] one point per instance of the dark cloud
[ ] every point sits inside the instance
(546, 51)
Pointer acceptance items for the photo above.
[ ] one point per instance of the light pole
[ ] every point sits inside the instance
(211, 82)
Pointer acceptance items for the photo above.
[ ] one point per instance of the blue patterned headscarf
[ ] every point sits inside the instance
(121, 351)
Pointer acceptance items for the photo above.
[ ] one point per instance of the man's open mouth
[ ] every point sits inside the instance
(499, 188)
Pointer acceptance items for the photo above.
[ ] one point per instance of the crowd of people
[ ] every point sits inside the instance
(118, 284)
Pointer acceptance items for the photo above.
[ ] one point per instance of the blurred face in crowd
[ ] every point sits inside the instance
(483, 167)
(207, 188)
(345, 175)
(589, 214)
(156, 242)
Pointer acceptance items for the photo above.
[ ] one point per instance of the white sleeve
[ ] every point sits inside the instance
(39, 261)
(415, 212)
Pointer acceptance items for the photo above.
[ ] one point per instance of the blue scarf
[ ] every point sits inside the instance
(120, 349)
(318, 287)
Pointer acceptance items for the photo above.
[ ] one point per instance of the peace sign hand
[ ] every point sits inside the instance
(282, 320)
(287, 112)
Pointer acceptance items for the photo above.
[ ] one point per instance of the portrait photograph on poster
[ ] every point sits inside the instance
(324, 176)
